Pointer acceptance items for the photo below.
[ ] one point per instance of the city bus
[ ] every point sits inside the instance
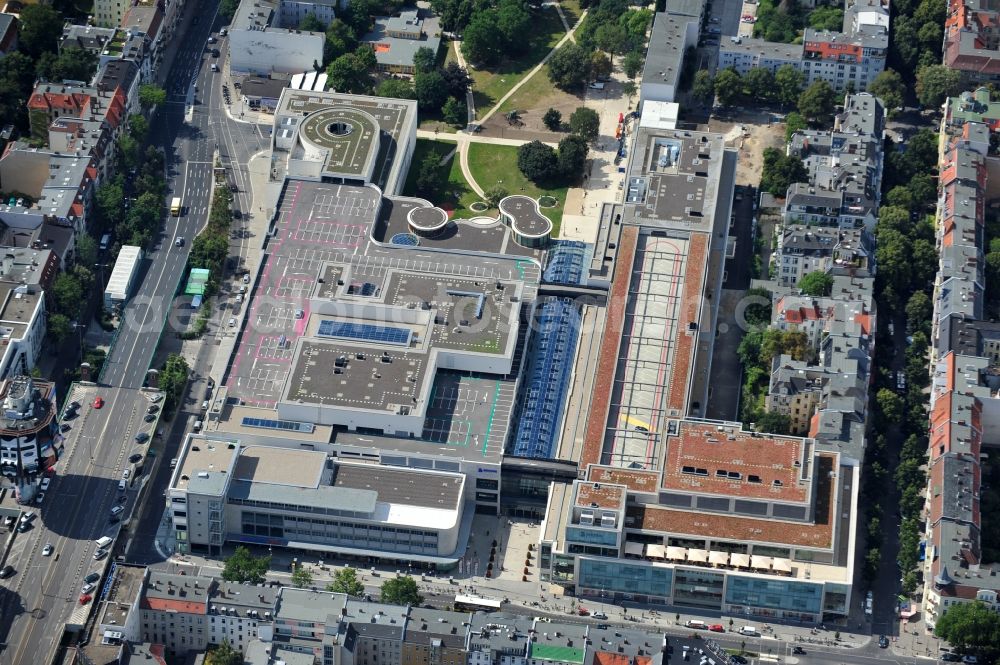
(476, 604)
(175, 206)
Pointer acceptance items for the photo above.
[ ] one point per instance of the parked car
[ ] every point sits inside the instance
(6, 572)
(100, 554)
(883, 642)
(141, 437)
(717, 628)
(98, 402)
(44, 485)
(93, 577)
(85, 598)
(48, 549)
(88, 587)
(135, 457)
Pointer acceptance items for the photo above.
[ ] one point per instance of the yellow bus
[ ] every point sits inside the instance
(175, 206)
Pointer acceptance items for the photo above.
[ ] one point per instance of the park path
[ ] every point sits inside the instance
(464, 137)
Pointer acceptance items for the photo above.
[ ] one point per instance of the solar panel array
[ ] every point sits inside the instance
(362, 289)
(548, 380)
(364, 332)
(565, 262)
(287, 425)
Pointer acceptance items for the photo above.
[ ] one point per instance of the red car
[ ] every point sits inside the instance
(583, 611)
(717, 628)
(98, 402)
(85, 598)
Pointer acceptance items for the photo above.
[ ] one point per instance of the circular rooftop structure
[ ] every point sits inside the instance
(404, 240)
(349, 138)
(524, 217)
(427, 222)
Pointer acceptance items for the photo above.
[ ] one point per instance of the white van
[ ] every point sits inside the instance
(122, 485)
(697, 625)
(103, 542)
(749, 630)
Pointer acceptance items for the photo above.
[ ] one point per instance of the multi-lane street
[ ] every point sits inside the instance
(43, 594)
(45, 590)
(193, 129)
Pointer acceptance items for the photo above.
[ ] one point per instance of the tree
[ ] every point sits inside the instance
(728, 86)
(456, 79)
(612, 38)
(572, 157)
(301, 577)
(774, 423)
(41, 29)
(514, 23)
(817, 284)
(780, 171)
(401, 590)
(86, 250)
(890, 88)
(569, 66)
(482, 41)
(937, 82)
(759, 83)
(494, 195)
(424, 60)
(898, 197)
(71, 64)
(224, 654)
(826, 18)
(396, 88)
(788, 82)
(632, 64)
(703, 88)
(430, 90)
(68, 293)
(227, 9)
(310, 23)
(970, 627)
(138, 127)
(890, 405)
(817, 102)
(151, 95)
(340, 40)
(600, 65)
(242, 566)
(585, 122)
(59, 327)
(794, 122)
(536, 161)
(346, 581)
(629, 89)
(455, 112)
(351, 72)
(552, 120)
(427, 176)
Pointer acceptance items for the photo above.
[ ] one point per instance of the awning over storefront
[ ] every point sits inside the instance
(634, 548)
(676, 553)
(656, 551)
(782, 565)
(698, 556)
(760, 562)
(718, 558)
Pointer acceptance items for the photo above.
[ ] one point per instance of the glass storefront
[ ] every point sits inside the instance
(700, 588)
(618, 576)
(781, 598)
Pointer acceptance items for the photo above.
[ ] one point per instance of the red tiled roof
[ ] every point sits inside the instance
(608, 658)
(634, 479)
(768, 457)
(688, 312)
(818, 534)
(174, 605)
(607, 359)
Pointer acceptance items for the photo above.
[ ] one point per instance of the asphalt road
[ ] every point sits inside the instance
(38, 599)
(189, 128)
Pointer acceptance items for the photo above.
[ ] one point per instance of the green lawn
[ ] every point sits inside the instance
(451, 192)
(572, 10)
(493, 165)
(492, 84)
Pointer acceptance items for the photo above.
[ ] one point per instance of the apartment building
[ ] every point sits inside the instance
(672, 35)
(187, 613)
(847, 60)
(971, 44)
(803, 249)
(845, 169)
(257, 28)
(965, 382)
